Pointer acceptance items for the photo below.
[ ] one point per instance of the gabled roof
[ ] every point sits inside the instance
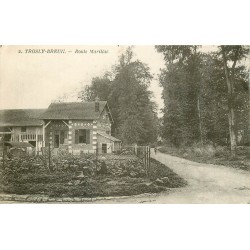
(112, 138)
(21, 117)
(73, 111)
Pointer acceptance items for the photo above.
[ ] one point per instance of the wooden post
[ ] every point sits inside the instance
(49, 156)
(149, 156)
(145, 156)
(43, 135)
(3, 152)
(36, 143)
(96, 158)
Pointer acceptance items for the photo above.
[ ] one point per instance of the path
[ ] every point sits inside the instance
(207, 183)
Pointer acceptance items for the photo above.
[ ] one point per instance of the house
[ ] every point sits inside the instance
(22, 125)
(77, 127)
(80, 127)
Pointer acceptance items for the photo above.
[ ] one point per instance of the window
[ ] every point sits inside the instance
(23, 129)
(82, 136)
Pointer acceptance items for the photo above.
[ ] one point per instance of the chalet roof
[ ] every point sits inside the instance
(108, 136)
(73, 111)
(20, 117)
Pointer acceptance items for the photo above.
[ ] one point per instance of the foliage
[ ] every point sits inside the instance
(74, 176)
(180, 81)
(195, 94)
(219, 155)
(126, 90)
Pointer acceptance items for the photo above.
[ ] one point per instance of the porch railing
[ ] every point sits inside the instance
(27, 137)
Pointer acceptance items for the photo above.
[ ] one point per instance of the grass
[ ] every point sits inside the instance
(212, 155)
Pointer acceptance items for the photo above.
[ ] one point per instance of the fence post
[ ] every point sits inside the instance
(96, 158)
(149, 156)
(3, 153)
(145, 156)
(49, 157)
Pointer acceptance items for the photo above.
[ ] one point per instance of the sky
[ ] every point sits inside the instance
(33, 80)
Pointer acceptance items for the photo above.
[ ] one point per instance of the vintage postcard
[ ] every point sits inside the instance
(124, 124)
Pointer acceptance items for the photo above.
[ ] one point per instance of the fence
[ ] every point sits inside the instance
(143, 153)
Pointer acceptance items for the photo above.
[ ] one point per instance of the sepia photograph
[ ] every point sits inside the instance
(124, 125)
(135, 124)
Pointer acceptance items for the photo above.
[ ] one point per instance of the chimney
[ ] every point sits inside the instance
(97, 105)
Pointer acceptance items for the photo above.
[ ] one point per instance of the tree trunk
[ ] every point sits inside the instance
(200, 124)
(232, 133)
(231, 112)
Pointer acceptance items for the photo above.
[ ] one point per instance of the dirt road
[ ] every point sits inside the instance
(207, 184)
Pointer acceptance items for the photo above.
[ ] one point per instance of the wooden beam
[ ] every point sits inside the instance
(43, 135)
(65, 123)
(47, 124)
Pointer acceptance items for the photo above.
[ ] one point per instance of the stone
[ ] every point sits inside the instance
(68, 199)
(165, 179)
(51, 199)
(159, 182)
(30, 198)
(77, 199)
(38, 199)
(7, 198)
(133, 174)
(77, 182)
(21, 198)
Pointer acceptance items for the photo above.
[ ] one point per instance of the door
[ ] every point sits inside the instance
(56, 141)
(62, 137)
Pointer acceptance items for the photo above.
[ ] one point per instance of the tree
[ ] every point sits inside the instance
(194, 79)
(100, 87)
(126, 90)
(181, 90)
(232, 54)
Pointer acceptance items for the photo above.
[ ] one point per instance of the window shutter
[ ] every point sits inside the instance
(76, 136)
(87, 136)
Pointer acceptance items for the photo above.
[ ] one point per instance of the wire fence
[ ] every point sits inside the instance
(143, 153)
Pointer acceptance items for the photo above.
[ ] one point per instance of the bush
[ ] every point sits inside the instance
(221, 151)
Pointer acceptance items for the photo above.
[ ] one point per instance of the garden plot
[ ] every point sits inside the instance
(85, 176)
